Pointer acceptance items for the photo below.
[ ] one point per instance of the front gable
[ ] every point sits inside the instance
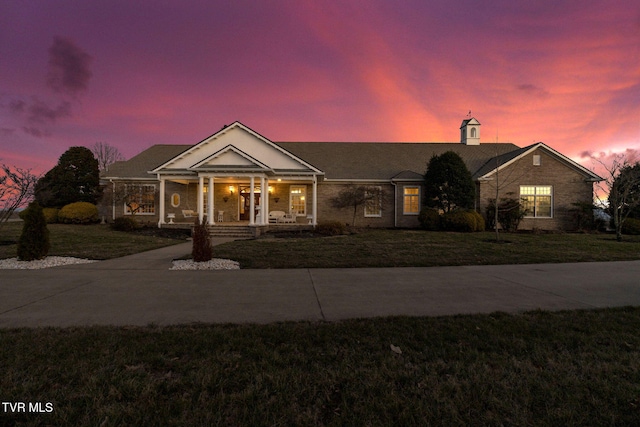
(499, 163)
(230, 158)
(228, 150)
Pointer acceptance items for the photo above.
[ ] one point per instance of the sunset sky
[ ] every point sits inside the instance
(137, 73)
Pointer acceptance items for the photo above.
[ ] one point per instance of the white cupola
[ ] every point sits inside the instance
(470, 132)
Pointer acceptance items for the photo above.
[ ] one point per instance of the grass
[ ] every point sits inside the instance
(85, 241)
(537, 368)
(415, 248)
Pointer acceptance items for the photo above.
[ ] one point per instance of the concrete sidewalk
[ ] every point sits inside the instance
(140, 290)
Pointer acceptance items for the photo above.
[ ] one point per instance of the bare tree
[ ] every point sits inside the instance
(622, 184)
(354, 196)
(16, 190)
(106, 155)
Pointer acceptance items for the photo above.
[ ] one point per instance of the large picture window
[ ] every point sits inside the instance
(411, 196)
(537, 200)
(140, 199)
(298, 197)
(373, 202)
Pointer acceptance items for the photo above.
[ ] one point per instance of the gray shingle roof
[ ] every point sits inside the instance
(149, 159)
(383, 161)
(342, 160)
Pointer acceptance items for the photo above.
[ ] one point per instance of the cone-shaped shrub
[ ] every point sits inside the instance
(202, 250)
(34, 240)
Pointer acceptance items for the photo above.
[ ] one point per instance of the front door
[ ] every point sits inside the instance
(245, 203)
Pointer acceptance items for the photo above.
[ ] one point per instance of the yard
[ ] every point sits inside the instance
(537, 368)
(416, 248)
(550, 369)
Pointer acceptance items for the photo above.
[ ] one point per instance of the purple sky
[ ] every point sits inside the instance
(137, 73)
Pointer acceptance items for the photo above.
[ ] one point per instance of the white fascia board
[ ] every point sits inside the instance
(550, 150)
(343, 180)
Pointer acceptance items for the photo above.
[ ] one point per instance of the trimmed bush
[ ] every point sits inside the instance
(429, 219)
(331, 228)
(631, 226)
(125, 224)
(462, 221)
(34, 239)
(479, 219)
(51, 215)
(202, 250)
(79, 213)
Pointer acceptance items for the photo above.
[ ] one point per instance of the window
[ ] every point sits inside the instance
(140, 199)
(536, 160)
(537, 201)
(298, 202)
(411, 200)
(373, 202)
(473, 132)
(175, 200)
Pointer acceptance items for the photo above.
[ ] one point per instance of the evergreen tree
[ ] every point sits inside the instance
(202, 250)
(448, 183)
(75, 178)
(34, 239)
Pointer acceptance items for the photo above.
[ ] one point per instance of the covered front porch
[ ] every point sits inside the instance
(251, 200)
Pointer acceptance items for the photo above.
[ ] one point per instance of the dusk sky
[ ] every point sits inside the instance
(137, 73)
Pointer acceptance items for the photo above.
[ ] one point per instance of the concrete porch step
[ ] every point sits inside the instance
(231, 231)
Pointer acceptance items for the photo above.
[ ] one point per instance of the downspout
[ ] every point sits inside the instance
(113, 200)
(395, 204)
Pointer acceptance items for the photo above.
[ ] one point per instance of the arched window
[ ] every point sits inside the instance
(473, 132)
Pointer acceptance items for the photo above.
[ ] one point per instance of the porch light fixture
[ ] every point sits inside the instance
(226, 198)
(270, 189)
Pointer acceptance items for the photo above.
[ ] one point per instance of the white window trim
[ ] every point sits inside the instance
(405, 195)
(303, 194)
(534, 200)
(537, 160)
(379, 213)
(126, 208)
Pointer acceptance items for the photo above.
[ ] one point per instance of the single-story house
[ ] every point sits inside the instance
(241, 177)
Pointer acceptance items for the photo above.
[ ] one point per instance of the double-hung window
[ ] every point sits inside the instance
(373, 202)
(411, 200)
(140, 199)
(537, 200)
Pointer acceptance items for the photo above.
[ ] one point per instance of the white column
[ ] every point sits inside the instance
(265, 203)
(314, 206)
(201, 198)
(252, 202)
(263, 191)
(210, 202)
(161, 219)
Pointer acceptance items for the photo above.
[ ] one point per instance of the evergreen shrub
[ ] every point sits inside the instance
(202, 250)
(51, 215)
(79, 213)
(34, 240)
(429, 219)
(631, 226)
(124, 223)
(331, 228)
(462, 221)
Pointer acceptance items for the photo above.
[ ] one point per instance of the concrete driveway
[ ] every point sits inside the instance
(141, 290)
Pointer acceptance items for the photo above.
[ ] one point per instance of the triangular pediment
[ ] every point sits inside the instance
(236, 147)
(229, 158)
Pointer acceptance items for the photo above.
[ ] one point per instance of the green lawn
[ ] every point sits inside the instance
(86, 241)
(551, 369)
(416, 248)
